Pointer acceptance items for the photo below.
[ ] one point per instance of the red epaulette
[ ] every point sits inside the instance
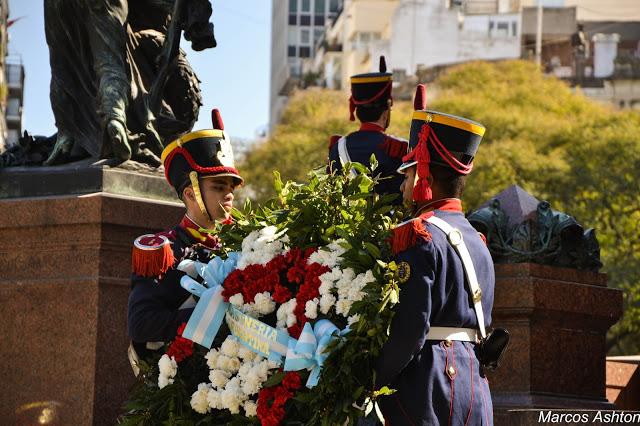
(334, 140)
(407, 234)
(394, 147)
(152, 254)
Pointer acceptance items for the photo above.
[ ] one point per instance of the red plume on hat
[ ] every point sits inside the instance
(216, 119)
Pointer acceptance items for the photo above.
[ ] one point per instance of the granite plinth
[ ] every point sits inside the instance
(130, 179)
(65, 263)
(623, 382)
(558, 319)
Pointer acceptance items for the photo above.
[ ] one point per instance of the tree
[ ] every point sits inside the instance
(560, 146)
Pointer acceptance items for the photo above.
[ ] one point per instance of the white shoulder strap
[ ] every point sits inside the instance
(343, 153)
(455, 239)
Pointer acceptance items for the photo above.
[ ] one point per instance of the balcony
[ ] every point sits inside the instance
(15, 75)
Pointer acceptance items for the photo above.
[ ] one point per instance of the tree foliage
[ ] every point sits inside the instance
(558, 145)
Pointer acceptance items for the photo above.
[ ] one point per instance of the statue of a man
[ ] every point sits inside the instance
(105, 58)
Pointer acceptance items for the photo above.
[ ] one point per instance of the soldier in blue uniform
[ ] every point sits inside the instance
(431, 357)
(199, 166)
(371, 101)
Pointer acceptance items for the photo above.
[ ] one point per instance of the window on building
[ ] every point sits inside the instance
(317, 35)
(293, 6)
(13, 107)
(319, 7)
(305, 20)
(305, 36)
(292, 36)
(305, 51)
(291, 51)
(293, 19)
(305, 6)
(294, 68)
(318, 20)
(502, 29)
(514, 29)
(491, 27)
(12, 137)
(14, 74)
(334, 5)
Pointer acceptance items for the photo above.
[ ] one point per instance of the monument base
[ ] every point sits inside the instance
(66, 263)
(558, 319)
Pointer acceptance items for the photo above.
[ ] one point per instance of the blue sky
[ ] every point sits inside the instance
(235, 75)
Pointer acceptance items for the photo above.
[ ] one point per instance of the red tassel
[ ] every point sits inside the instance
(406, 236)
(394, 148)
(152, 255)
(422, 190)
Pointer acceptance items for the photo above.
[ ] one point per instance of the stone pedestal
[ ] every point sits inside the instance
(64, 283)
(558, 319)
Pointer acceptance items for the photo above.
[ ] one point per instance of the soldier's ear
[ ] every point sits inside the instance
(188, 194)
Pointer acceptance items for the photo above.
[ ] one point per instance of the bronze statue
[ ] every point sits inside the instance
(121, 88)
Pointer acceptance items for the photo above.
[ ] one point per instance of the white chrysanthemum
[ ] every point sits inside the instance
(285, 316)
(244, 369)
(223, 362)
(168, 369)
(230, 346)
(325, 286)
(250, 408)
(219, 378)
(246, 354)
(264, 304)
(237, 300)
(234, 364)
(311, 308)
(199, 401)
(212, 358)
(214, 400)
(343, 306)
(326, 303)
(260, 246)
(232, 397)
(347, 275)
(251, 386)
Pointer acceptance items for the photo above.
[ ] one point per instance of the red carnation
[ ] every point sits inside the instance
(181, 348)
(281, 294)
(292, 381)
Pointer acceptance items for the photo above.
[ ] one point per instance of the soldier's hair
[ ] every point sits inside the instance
(450, 183)
(369, 113)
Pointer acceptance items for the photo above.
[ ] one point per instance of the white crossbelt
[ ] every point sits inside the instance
(452, 333)
(343, 153)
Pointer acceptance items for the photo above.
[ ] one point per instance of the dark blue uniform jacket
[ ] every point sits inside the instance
(436, 294)
(389, 150)
(156, 304)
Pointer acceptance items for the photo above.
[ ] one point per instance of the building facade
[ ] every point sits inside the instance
(4, 41)
(297, 26)
(416, 34)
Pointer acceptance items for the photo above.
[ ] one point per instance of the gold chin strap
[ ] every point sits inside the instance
(193, 177)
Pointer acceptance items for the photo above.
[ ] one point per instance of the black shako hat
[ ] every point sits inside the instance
(442, 139)
(371, 89)
(205, 152)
